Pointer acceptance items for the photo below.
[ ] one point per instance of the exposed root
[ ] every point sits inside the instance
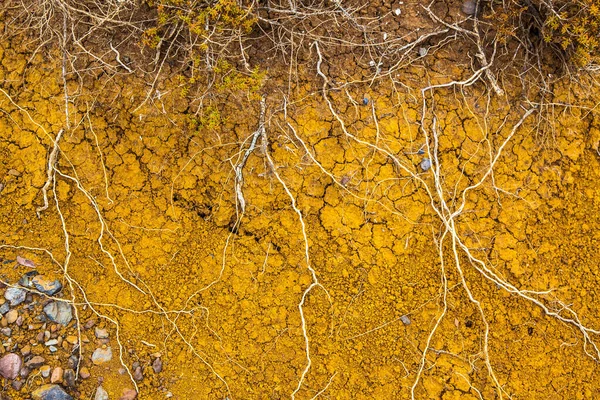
(52, 159)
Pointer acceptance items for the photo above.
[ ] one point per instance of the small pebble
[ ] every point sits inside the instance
(469, 7)
(101, 356)
(4, 308)
(10, 365)
(138, 375)
(52, 349)
(59, 312)
(12, 316)
(71, 339)
(425, 164)
(24, 372)
(157, 365)
(101, 394)
(57, 375)
(128, 394)
(69, 377)
(26, 350)
(397, 11)
(45, 371)
(101, 333)
(72, 361)
(24, 261)
(365, 101)
(84, 373)
(52, 342)
(17, 385)
(15, 296)
(423, 51)
(6, 331)
(46, 286)
(35, 362)
(405, 320)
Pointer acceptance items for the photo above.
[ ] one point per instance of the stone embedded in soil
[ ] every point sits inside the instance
(84, 373)
(425, 164)
(17, 385)
(6, 331)
(71, 339)
(25, 280)
(157, 365)
(46, 286)
(128, 394)
(101, 356)
(59, 311)
(405, 320)
(69, 377)
(57, 375)
(138, 375)
(50, 392)
(24, 372)
(26, 350)
(10, 365)
(101, 333)
(4, 308)
(101, 394)
(35, 362)
(73, 361)
(45, 371)
(15, 296)
(469, 7)
(12, 316)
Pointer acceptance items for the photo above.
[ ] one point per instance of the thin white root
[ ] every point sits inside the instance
(239, 168)
(52, 159)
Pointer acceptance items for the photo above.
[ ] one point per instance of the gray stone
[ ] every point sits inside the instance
(101, 356)
(405, 320)
(46, 286)
(15, 296)
(4, 308)
(469, 7)
(59, 312)
(101, 394)
(10, 365)
(425, 164)
(50, 392)
(157, 365)
(6, 331)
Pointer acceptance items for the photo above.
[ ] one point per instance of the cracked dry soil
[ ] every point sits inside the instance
(159, 264)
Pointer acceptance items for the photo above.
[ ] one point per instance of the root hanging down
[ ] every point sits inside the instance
(52, 160)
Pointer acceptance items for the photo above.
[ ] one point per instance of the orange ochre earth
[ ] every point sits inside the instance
(352, 272)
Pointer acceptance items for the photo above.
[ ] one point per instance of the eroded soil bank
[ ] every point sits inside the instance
(354, 269)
